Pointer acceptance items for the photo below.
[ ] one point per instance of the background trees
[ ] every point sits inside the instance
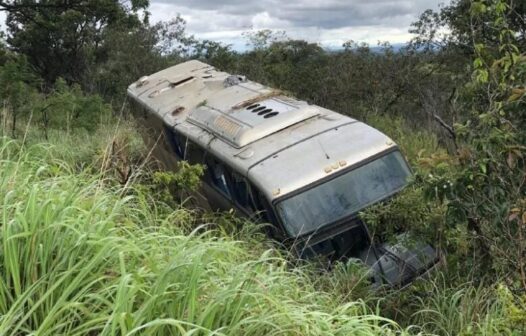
(65, 38)
(18, 87)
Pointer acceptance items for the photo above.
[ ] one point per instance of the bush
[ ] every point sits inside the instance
(68, 107)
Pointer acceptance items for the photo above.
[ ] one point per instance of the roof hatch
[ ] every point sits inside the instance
(240, 127)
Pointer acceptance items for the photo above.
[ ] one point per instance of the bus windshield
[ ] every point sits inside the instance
(344, 195)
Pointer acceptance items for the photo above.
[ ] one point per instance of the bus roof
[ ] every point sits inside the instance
(280, 143)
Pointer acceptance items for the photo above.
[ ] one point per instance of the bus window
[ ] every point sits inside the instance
(260, 205)
(240, 192)
(263, 212)
(193, 153)
(231, 184)
(217, 175)
(177, 141)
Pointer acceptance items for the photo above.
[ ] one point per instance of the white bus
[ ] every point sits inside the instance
(306, 170)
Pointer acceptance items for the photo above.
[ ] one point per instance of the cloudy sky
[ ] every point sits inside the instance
(328, 22)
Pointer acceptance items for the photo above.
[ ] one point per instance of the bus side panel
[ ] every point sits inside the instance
(152, 131)
(216, 199)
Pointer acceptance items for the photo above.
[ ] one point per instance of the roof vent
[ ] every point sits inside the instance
(262, 110)
(265, 111)
(142, 81)
(271, 114)
(242, 127)
(180, 82)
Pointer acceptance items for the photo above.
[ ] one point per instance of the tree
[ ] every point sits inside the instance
(485, 189)
(3, 49)
(262, 39)
(68, 107)
(129, 54)
(62, 38)
(452, 27)
(215, 53)
(18, 85)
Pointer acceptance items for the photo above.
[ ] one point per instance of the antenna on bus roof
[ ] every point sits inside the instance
(323, 149)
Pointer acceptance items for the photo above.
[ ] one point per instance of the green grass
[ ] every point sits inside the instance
(415, 144)
(79, 258)
(468, 309)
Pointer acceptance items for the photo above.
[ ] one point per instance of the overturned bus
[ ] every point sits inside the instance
(306, 170)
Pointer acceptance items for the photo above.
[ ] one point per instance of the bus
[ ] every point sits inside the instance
(304, 169)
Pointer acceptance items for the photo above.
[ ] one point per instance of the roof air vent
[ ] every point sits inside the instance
(262, 110)
(271, 114)
(180, 82)
(265, 111)
(242, 127)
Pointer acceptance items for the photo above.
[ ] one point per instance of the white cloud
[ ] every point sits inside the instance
(328, 22)
(264, 20)
(2, 20)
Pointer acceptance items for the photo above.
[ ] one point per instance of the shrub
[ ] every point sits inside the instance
(68, 107)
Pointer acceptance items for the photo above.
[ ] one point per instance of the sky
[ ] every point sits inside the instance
(2, 20)
(327, 22)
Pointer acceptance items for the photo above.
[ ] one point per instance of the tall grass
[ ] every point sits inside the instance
(468, 309)
(78, 258)
(414, 143)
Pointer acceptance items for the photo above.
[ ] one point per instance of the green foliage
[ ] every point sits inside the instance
(466, 21)
(407, 212)
(129, 54)
(485, 192)
(469, 310)
(215, 53)
(17, 91)
(264, 38)
(347, 281)
(415, 144)
(65, 107)
(62, 39)
(4, 53)
(68, 107)
(184, 181)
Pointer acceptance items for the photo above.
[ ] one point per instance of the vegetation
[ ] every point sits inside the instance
(93, 240)
(80, 256)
